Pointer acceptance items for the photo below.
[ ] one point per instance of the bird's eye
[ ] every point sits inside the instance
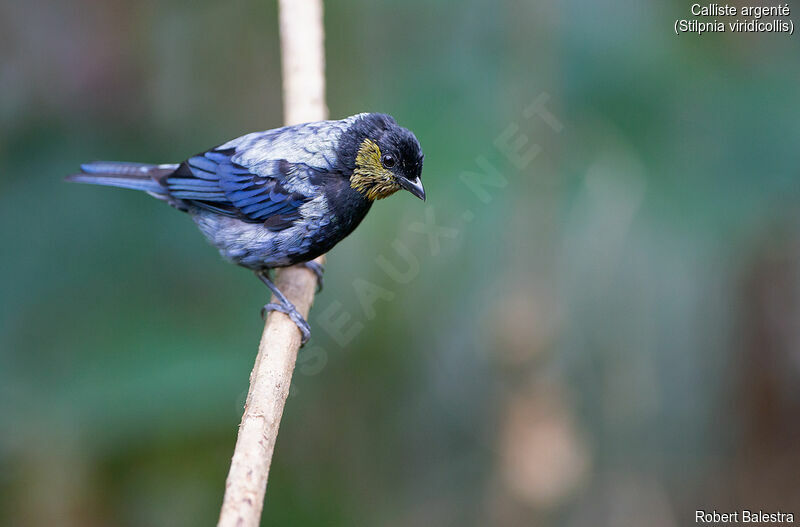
(388, 161)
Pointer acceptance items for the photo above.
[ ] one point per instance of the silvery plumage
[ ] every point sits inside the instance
(283, 196)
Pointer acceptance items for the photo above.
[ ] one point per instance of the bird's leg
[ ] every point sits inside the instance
(317, 269)
(284, 306)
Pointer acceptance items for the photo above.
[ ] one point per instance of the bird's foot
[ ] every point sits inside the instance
(317, 269)
(284, 306)
(293, 314)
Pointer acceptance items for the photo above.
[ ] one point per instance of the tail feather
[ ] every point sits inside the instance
(136, 176)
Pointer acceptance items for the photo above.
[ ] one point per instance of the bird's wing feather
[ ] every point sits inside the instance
(263, 176)
(273, 195)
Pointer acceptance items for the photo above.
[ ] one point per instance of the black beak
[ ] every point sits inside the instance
(415, 187)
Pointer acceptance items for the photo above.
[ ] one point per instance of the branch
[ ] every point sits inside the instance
(304, 100)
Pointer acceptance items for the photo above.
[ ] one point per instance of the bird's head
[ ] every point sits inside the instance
(387, 158)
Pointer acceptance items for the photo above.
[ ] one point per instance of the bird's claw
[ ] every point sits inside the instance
(284, 306)
(317, 269)
(294, 315)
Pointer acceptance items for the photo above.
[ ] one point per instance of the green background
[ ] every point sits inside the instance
(611, 340)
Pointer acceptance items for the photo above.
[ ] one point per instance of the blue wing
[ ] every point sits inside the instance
(273, 196)
(263, 177)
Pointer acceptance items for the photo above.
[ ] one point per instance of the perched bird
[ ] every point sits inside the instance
(284, 196)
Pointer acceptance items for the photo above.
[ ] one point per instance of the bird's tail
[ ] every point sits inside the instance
(136, 176)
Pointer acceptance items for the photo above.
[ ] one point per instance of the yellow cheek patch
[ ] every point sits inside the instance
(369, 177)
(369, 155)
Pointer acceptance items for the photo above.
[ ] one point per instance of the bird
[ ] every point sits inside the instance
(284, 196)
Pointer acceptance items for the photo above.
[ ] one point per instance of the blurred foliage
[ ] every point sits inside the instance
(611, 340)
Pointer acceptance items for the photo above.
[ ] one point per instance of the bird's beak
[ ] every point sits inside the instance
(415, 187)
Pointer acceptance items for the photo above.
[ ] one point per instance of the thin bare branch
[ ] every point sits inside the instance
(302, 51)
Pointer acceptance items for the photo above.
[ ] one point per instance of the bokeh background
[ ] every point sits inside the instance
(605, 334)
